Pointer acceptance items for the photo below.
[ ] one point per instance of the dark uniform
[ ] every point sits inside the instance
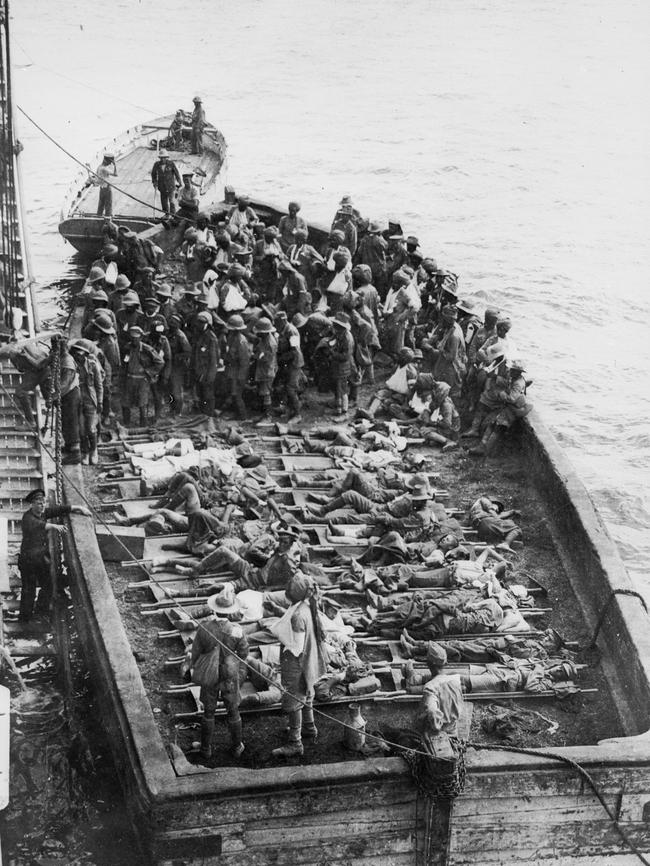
(34, 561)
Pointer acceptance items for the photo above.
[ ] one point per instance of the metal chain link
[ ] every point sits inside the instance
(55, 401)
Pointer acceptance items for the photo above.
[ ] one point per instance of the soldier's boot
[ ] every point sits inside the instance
(491, 441)
(294, 746)
(238, 746)
(309, 729)
(93, 456)
(207, 732)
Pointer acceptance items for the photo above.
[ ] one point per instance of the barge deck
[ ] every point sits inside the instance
(333, 808)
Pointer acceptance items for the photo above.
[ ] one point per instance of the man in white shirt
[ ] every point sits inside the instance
(101, 179)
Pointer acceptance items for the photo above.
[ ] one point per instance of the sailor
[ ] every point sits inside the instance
(141, 364)
(101, 177)
(34, 558)
(198, 125)
(289, 224)
(165, 176)
(302, 661)
(223, 645)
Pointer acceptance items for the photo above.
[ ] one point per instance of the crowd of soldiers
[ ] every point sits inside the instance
(262, 313)
(254, 315)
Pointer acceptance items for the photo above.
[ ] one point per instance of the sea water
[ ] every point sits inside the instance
(511, 136)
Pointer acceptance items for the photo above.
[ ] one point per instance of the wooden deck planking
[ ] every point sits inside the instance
(134, 177)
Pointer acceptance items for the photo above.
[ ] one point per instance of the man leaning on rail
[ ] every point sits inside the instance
(34, 557)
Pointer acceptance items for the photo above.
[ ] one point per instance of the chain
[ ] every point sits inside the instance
(55, 399)
(437, 779)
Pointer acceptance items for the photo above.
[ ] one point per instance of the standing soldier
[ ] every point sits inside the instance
(227, 637)
(205, 362)
(140, 365)
(181, 355)
(266, 364)
(198, 125)
(102, 332)
(372, 252)
(343, 360)
(290, 364)
(152, 315)
(130, 314)
(238, 357)
(167, 305)
(165, 176)
(160, 383)
(91, 390)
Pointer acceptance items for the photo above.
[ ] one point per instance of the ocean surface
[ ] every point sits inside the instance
(511, 136)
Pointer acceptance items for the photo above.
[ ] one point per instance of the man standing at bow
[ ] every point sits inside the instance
(198, 125)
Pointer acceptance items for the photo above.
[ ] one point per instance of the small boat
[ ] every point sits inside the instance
(136, 204)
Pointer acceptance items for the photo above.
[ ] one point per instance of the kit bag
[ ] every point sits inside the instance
(398, 381)
(206, 668)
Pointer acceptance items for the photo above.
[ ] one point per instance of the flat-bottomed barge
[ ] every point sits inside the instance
(332, 809)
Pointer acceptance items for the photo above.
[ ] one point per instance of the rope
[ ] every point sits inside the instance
(601, 618)
(94, 174)
(83, 83)
(580, 770)
(83, 165)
